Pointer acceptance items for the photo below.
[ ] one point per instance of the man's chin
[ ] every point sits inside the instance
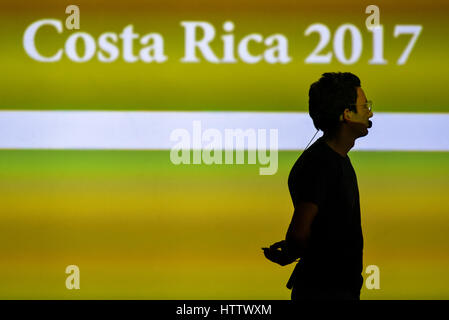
(368, 125)
(363, 133)
(362, 129)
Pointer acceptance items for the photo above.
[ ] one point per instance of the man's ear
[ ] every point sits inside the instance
(342, 115)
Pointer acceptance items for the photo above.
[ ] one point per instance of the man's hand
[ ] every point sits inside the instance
(279, 254)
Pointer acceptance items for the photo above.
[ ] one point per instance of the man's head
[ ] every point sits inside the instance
(337, 100)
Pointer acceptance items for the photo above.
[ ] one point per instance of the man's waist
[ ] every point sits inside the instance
(333, 254)
(343, 266)
(312, 273)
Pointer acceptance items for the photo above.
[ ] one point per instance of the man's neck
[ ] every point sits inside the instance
(340, 143)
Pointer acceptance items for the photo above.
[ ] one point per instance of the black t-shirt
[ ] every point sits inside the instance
(333, 258)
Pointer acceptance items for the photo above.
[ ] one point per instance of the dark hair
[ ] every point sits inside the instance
(329, 97)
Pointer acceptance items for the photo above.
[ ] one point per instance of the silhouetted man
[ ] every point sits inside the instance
(325, 231)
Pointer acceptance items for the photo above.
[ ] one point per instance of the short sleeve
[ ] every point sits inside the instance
(310, 183)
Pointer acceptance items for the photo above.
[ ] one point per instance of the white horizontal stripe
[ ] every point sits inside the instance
(151, 130)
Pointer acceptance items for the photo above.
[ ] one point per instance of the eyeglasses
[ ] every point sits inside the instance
(368, 105)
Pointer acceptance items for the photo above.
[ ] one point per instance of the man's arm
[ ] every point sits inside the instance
(287, 251)
(298, 232)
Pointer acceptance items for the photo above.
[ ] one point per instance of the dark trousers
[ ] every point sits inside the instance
(301, 294)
